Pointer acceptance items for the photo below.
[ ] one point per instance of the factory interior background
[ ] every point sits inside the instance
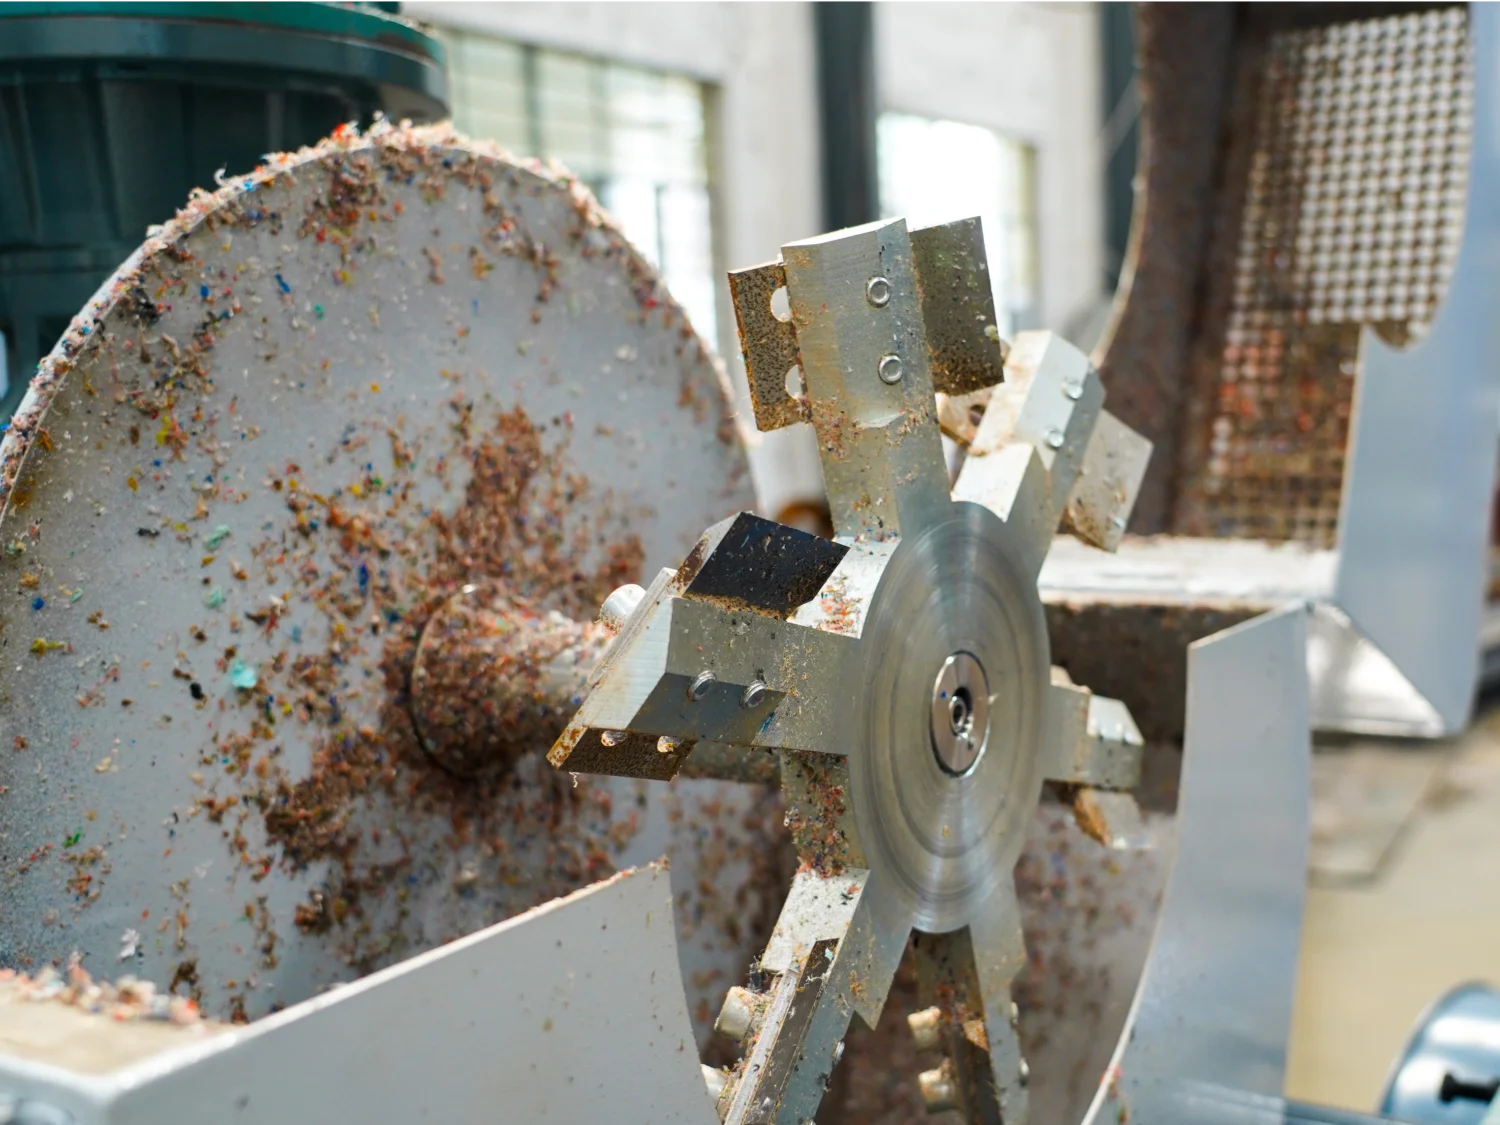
(715, 133)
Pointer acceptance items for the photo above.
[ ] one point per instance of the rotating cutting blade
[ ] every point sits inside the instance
(902, 674)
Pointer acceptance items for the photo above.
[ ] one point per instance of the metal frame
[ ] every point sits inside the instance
(571, 1012)
(1395, 645)
(1206, 1037)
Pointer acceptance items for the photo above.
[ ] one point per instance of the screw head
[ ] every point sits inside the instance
(611, 737)
(666, 744)
(890, 368)
(878, 292)
(1055, 439)
(754, 695)
(618, 607)
(700, 685)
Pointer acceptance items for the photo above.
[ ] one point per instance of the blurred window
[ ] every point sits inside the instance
(637, 138)
(936, 171)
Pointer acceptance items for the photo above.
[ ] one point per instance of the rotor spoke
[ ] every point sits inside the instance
(1094, 740)
(867, 370)
(999, 954)
(1012, 482)
(834, 953)
(697, 670)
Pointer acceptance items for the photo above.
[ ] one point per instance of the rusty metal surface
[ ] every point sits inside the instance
(1136, 653)
(1185, 55)
(949, 281)
(964, 346)
(769, 346)
(1293, 185)
(1341, 206)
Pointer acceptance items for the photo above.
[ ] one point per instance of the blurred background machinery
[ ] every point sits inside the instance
(110, 114)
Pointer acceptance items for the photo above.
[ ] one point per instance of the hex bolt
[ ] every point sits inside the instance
(700, 685)
(736, 1014)
(925, 1026)
(878, 292)
(890, 368)
(937, 1089)
(618, 607)
(715, 1079)
(754, 695)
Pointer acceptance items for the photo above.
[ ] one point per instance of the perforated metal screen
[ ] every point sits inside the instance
(1346, 169)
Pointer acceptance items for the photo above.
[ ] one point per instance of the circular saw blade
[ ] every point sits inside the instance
(304, 414)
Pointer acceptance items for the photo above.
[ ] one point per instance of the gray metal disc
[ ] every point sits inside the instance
(941, 843)
(307, 410)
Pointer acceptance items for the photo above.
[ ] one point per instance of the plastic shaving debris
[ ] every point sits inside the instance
(214, 598)
(217, 536)
(242, 676)
(124, 1000)
(130, 945)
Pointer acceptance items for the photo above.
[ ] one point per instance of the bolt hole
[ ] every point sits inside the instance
(961, 712)
(794, 387)
(781, 304)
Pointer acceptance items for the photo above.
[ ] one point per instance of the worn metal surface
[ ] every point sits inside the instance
(1338, 204)
(1114, 467)
(909, 799)
(1185, 66)
(943, 282)
(302, 418)
(1342, 207)
(964, 347)
(1414, 528)
(1122, 623)
(768, 345)
(1208, 1029)
(571, 1012)
(1098, 743)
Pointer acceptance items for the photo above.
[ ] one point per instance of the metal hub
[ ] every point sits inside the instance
(960, 713)
(949, 773)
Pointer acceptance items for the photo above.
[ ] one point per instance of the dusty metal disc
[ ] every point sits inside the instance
(296, 422)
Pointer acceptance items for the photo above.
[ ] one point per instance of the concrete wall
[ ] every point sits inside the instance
(1032, 73)
(1028, 70)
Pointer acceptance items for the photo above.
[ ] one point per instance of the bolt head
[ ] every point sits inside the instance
(890, 368)
(618, 607)
(700, 685)
(754, 695)
(878, 292)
